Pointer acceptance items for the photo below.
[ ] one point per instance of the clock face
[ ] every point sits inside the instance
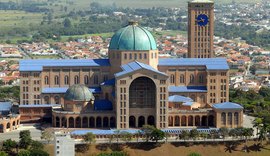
(202, 20)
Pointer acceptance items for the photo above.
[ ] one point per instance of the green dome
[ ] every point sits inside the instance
(133, 37)
(78, 93)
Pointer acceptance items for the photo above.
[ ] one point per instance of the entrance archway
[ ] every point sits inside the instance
(211, 120)
(92, 122)
(98, 122)
(176, 121)
(78, 122)
(183, 121)
(132, 122)
(142, 93)
(141, 121)
(105, 122)
(151, 120)
(112, 122)
(85, 122)
(190, 120)
(57, 122)
(204, 121)
(71, 122)
(64, 122)
(197, 121)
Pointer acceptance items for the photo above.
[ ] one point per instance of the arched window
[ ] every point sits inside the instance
(202, 98)
(86, 79)
(230, 118)
(236, 118)
(191, 78)
(182, 78)
(95, 79)
(66, 80)
(46, 80)
(56, 80)
(47, 100)
(223, 118)
(76, 79)
(57, 100)
(172, 78)
(201, 78)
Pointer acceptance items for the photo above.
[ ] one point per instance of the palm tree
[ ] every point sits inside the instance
(247, 132)
(257, 123)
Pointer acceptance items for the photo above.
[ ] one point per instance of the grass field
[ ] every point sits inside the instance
(18, 18)
(173, 149)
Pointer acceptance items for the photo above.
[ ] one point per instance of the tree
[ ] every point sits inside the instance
(204, 135)
(24, 153)
(147, 131)
(2, 153)
(89, 137)
(194, 133)
(224, 132)
(8, 145)
(38, 152)
(157, 135)
(47, 135)
(233, 133)
(67, 23)
(25, 139)
(184, 135)
(258, 124)
(126, 136)
(194, 154)
(36, 145)
(246, 132)
(264, 91)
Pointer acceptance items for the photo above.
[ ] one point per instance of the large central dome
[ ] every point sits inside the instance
(133, 37)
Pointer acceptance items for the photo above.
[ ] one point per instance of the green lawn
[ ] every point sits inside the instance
(18, 18)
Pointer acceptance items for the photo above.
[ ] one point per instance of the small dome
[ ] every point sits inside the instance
(78, 93)
(133, 37)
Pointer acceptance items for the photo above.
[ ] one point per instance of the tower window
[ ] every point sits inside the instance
(130, 56)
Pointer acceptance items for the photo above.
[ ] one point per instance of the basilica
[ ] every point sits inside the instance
(133, 86)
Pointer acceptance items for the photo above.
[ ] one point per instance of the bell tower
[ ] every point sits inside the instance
(200, 29)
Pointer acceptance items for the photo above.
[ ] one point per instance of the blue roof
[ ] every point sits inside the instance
(134, 66)
(62, 90)
(110, 82)
(37, 65)
(210, 63)
(39, 105)
(187, 89)
(178, 98)
(5, 106)
(227, 105)
(103, 105)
